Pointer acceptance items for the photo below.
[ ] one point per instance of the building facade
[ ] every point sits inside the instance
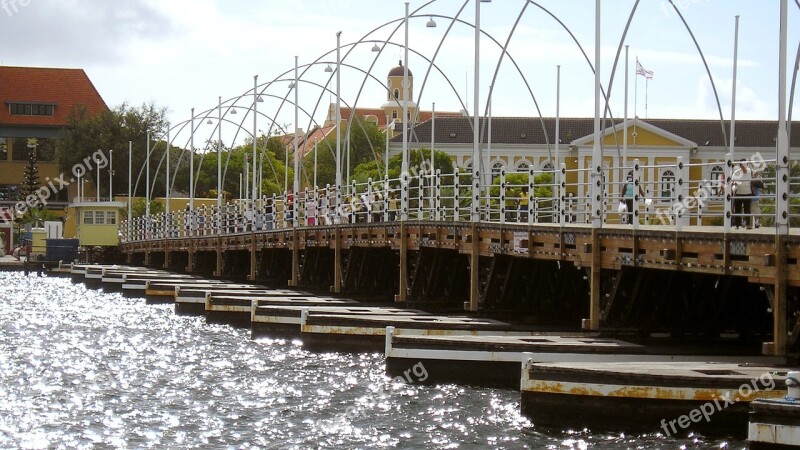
(37, 104)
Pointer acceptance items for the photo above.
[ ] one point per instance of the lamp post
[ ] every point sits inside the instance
(166, 182)
(111, 175)
(191, 166)
(433, 142)
(255, 129)
(315, 165)
(296, 184)
(338, 129)
(476, 149)
(97, 179)
(130, 194)
(597, 151)
(404, 166)
(386, 161)
(147, 181)
(219, 154)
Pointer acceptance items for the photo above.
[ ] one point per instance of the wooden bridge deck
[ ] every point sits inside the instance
(490, 253)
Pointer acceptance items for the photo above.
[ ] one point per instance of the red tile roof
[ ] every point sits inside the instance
(66, 88)
(380, 115)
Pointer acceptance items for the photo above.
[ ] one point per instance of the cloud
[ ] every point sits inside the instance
(77, 32)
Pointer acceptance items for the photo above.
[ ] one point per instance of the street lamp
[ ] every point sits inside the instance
(111, 175)
(256, 100)
(219, 154)
(338, 129)
(404, 165)
(296, 187)
(191, 166)
(476, 149)
(147, 181)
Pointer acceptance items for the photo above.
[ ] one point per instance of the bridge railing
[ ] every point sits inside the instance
(675, 194)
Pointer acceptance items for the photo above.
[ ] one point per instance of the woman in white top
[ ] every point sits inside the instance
(742, 192)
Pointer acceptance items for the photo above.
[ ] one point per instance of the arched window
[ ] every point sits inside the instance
(396, 94)
(667, 184)
(496, 169)
(394, 114)
(548, 167)
(468, 167)
(523, 166)
(717, 180)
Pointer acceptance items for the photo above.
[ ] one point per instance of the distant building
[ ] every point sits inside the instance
(36, 106)
(522, 143)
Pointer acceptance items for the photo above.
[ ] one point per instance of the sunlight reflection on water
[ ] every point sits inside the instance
(82, 368)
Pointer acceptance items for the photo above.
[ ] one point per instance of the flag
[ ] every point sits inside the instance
(643, 72)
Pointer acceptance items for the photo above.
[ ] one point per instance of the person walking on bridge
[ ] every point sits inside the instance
(742, 195)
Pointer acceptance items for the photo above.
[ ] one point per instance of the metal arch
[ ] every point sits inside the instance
(205, 115)
(710, 77)
(611, 79)
(577, 42)
(427, 72)
(369, 74)
(494, 81)
(271, 119)
(794, 85)
(361, 89)
(326, 89)
(142, 168)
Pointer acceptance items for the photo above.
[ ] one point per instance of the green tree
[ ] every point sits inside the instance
(30, 184)
(767, 202)
(517, 184)
(418, 161)
(233, 164)
(113, 129)
(139, 207)
(367, 144)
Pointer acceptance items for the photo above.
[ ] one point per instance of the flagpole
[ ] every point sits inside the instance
(646, 89)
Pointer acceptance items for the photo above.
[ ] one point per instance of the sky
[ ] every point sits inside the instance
(183, 54)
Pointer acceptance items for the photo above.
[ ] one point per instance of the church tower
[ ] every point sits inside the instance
(395, 100)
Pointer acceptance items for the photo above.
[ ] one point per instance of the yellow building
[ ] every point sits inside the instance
(37, 103)
(94, 223)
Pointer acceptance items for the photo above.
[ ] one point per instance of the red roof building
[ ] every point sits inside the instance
(36, 104)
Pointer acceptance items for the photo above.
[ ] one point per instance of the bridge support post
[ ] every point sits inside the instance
(474, 269)
(593, 322)
(190, 263)
(252, 275)
(402, 296)
(295, 281)
(337, 260)
(779, 308)
(166, 254)
(218, 268)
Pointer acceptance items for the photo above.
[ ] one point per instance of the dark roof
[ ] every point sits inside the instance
(398, 71)
(528, 130)
(65, 88)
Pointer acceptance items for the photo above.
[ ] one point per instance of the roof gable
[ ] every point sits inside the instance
(639, 132)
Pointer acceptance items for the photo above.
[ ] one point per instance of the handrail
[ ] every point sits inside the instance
(678, 195)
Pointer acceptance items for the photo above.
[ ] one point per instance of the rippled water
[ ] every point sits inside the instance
(85, 369)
